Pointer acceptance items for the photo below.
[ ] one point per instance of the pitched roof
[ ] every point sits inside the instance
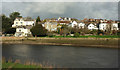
(63, 21)
(25, 19)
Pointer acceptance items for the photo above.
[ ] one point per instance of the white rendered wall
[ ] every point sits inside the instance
(114, 26)
(74, 23)
(91, 27)
(81, 25)
(103, 26)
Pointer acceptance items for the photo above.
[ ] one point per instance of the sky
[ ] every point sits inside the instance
(54, 9)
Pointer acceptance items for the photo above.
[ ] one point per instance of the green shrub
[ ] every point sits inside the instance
(76, 34)
(38, 30)
(50, 34)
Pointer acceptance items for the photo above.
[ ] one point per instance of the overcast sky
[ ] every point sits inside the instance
(79, 10)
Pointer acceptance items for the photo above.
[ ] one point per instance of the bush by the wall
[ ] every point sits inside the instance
(76, 34)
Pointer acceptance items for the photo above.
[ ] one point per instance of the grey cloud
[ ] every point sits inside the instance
(60, 0)
(78, 10)
(82, 10)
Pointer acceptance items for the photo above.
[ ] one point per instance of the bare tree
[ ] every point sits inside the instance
(108, 29)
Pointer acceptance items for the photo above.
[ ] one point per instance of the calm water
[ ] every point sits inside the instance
(63, 56)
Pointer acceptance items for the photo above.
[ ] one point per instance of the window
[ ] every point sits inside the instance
(19, 30)
(21, 22)
(16, 22)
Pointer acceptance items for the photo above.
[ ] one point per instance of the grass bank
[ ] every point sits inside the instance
(84, 42)
(18, 65)
(14, 65)
(8, 64)
(91, 36)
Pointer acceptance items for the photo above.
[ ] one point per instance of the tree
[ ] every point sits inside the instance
(118, 33)
(76, 34)
(8, 21)
(108, 29)
(14, 15)
(38, 30)
(28, 18)
(38, 19)
(119, 25)
(64, 30)
(58, 30)
(44, 20)
(94, 32)
(100, 32)
(74, 19)
(10, 31)
(50, 34)
(114, 32)
(1, 23)
(74, 29)
(6, 25)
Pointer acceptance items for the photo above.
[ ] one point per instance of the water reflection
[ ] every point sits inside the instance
(64, 56)
(23, 50)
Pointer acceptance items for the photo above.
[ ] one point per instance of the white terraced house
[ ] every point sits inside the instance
(114, 26)
(50, 26)
(92, 26)
(81, 25)
(103, 26)
(73, 24)
(23, 26)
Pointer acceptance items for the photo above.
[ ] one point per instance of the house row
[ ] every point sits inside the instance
(52, 26)
(23, 26)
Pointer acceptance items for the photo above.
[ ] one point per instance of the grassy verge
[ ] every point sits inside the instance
(10, 65)
(18, 65)
(91, 36)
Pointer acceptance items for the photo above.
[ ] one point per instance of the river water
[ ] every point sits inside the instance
(63, 56)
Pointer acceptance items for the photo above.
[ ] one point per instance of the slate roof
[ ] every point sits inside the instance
(25, 19)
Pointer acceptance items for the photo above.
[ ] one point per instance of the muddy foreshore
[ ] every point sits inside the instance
(78, 42)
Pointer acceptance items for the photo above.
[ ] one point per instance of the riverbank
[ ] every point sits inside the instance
(82, 42)
(10, 64)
